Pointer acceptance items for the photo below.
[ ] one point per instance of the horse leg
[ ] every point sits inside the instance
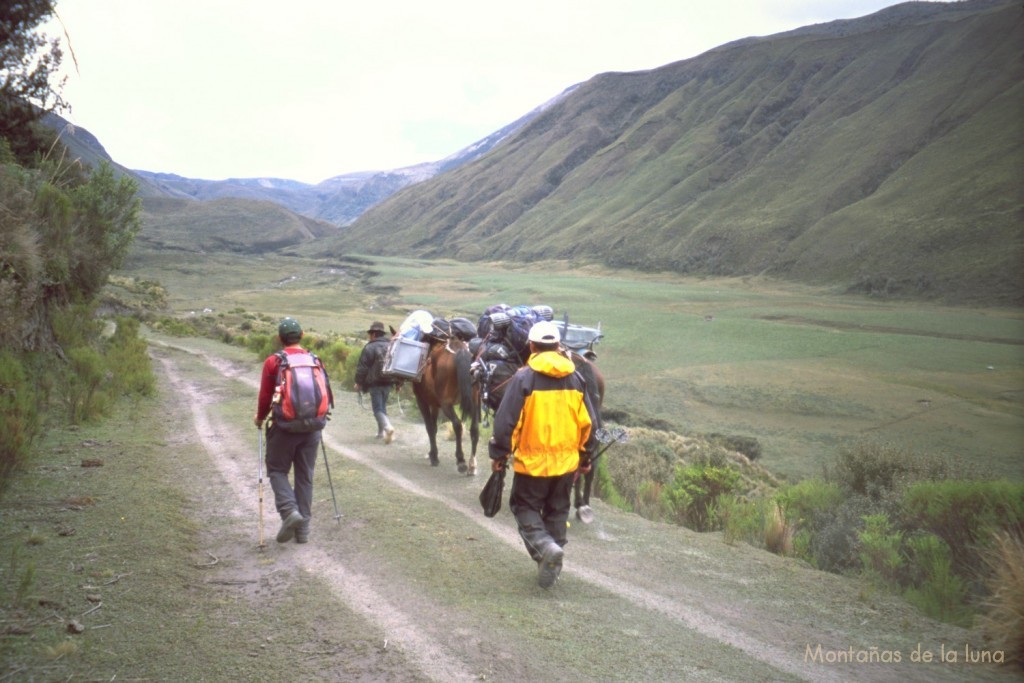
(474, 437)
(583, 511)
(588, 479)
(430, 422)
(460, 457)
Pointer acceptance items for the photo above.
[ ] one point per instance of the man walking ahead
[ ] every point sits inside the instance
(296, 395)
(370, 377)
(544, 422)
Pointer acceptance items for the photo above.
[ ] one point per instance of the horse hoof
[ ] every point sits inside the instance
(462, 468)
(585, 514)
(471, 472)
(434, 462)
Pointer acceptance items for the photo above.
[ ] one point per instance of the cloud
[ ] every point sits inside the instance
(219, 88)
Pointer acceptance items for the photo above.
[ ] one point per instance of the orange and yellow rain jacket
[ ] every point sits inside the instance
(544, 420)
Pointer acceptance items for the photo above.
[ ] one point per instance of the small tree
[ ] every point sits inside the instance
(29, 62)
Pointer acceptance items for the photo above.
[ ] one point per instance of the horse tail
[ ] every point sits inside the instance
(594, 381)
(463, 360)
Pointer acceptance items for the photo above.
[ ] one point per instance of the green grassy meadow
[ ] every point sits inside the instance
(805, 371)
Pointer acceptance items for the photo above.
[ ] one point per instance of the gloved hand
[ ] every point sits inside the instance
(498, 464)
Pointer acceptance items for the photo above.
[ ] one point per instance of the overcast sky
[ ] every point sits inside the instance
(308, 90)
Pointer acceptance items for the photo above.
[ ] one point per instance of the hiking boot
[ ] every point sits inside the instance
(288, 525)
(389, 434)
(302, 536)
(550, 565)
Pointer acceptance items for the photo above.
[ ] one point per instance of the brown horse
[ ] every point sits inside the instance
(446, 382)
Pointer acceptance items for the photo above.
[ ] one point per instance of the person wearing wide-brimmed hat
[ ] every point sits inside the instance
(370, 377)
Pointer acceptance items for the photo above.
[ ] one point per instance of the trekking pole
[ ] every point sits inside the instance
(337, 515)
(259, 460)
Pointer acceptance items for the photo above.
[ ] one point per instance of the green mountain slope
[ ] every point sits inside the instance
(239, 225)
(882, 154)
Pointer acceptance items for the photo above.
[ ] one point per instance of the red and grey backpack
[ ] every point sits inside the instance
(303, 399)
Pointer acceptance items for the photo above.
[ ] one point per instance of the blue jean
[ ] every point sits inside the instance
(379, 405)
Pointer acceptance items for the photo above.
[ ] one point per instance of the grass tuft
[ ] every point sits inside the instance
(1003, 620)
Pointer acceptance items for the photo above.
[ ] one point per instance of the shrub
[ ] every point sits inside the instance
(128, 360)
(936, 590)
(740, 519)
(879, 549)
(604, 487)
(650, 501)
(694, 491)
(808, 500)
(263, 344)
(833, 544)
(636, 464)
(76, 325)
(82, 396)
(747, 445)
(1003, 620)
(174, 327)
(965, 514)
(19, 415)
(340, 360)
(877, 470)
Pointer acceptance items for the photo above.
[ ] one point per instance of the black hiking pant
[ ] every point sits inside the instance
(287, 451)
(541, 508)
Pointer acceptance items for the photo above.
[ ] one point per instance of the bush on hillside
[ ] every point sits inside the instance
(740, 519)
(174, 327)
(666, 476)
(19, 413)
(694, 492)
(604, 486)
(935, 588)
(808, 500)
(877, 470)
(128, 362)
(879, 547)
(965, 515)
(917, 524)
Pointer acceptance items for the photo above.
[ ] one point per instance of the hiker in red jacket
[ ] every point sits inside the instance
(297, 408)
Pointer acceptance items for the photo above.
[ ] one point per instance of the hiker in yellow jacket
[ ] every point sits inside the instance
(544, 422)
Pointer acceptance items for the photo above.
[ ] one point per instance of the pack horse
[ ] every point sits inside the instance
(502, 348)
(434, 353)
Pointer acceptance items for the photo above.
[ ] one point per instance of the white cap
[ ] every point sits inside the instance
(545, 332)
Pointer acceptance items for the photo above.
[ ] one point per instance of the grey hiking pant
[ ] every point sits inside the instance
(541, 508)
(287, 451)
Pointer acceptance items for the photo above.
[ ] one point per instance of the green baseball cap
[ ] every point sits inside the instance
(289, 329)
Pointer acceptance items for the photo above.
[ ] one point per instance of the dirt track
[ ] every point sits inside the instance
(441, 593)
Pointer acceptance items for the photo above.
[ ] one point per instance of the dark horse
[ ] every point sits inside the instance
(446, 382)
(595, 389)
